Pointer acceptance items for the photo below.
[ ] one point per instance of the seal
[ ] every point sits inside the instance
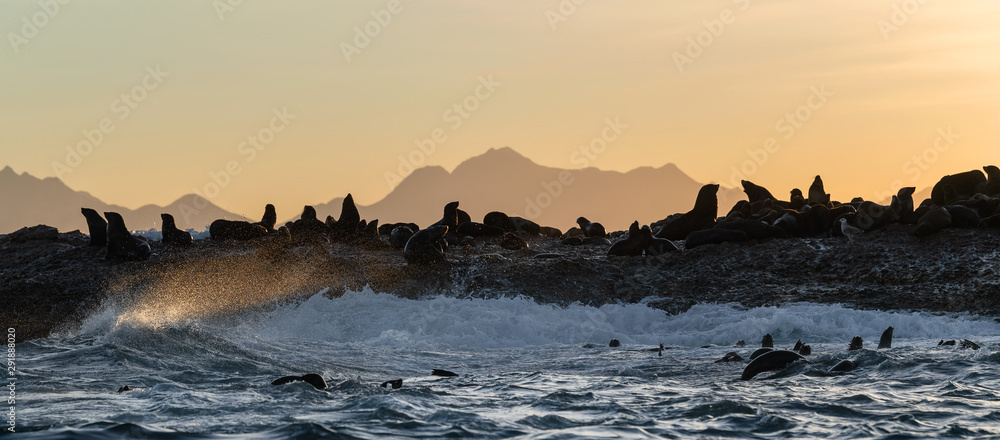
(474, 229)
(756, 353)
(702, 216)
(172, 235)
(615, 343)
(512, 242)
(443, 373)
(953, 186)
(756, 193)
(269, 219)
(963, 216)
(856, 343)
(235, 230)
(816, 193)
(500, 220)
(400, 235)
(422, 247)
(992, 187)
(935, 220)
(346, 227)
(315, 380)
(767, 341)
(395, 384)
(905, 196)
(772, 360)
(308, 225)
(98, 227)
(713, 236)
(122, 245)
(886, 340)
(844, 366)
(522, 224)
(450, 217)
(633, 245)
(755, 229)
(591, 229)
(657, 246)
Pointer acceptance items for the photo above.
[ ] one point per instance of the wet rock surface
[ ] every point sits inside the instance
(50, 282)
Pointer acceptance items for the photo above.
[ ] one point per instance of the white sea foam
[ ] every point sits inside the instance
(445, 322)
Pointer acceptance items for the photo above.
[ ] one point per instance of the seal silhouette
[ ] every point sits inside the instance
(171, 234)
(98, 227)
(122, 245)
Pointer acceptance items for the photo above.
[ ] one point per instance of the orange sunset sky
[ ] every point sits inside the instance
(871, 94)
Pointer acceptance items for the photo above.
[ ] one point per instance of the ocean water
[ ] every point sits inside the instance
(526, 370)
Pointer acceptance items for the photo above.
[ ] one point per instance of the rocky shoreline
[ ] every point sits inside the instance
(51, 281)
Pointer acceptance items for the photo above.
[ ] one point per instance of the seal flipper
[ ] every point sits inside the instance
(443, 373)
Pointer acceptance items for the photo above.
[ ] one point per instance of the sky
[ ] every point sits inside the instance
(253, 101)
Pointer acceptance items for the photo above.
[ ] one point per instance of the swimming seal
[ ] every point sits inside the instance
(422, 247)
(395, 384)
(856, 343)
(756, 353)
(702, 216)
(171, 234)
(767, 341)
(844, 366)
(633, 245)
(98, 227)
(772, 360)
(886, 340)
(122, 245)
(315, 380)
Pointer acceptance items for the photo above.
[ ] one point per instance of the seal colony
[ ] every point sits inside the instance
(964, 200)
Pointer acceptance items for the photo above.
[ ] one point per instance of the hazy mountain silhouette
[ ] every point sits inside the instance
(503, 180)
(27, 201)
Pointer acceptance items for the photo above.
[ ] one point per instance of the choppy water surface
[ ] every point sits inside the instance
(526, 370)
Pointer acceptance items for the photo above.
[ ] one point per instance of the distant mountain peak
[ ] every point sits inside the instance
(8, 172)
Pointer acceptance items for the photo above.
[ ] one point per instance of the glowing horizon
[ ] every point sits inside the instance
(314, 100)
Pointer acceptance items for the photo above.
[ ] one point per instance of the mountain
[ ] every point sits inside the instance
(503, 180)
(27, 201)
